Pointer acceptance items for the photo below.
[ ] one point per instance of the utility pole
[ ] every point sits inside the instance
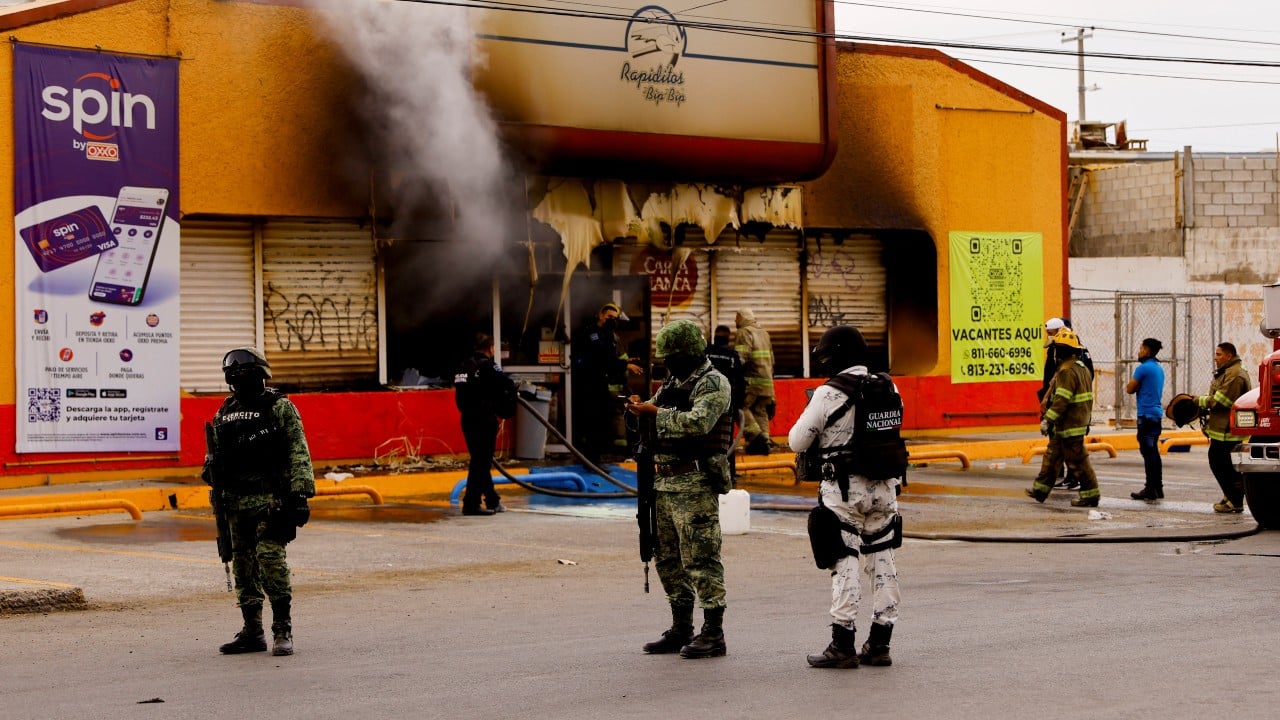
(1081, 34)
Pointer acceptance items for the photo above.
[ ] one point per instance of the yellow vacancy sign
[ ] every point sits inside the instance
(997, 306)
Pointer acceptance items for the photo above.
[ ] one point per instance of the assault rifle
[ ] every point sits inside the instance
(646, 513)
(223, 522)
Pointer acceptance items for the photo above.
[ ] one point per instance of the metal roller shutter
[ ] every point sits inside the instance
(691, 301)
(320, 303)
(764, 277)
(845, 283)
(219, 309)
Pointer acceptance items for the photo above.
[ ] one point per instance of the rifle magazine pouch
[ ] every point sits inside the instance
(825, 538)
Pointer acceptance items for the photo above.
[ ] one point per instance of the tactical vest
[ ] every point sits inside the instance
(251, 447)
(715, 442)
(876, 451)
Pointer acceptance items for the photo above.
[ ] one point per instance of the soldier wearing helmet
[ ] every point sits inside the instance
(1065, 413)
(851, 429)
(692, 432)
(260, 469)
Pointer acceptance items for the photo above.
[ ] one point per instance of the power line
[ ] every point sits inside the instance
(1059, 24)
(721, 26)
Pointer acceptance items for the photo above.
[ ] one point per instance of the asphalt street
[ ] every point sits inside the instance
(409, 609)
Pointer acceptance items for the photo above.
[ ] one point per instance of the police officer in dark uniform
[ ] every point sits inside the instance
(599, 361)
(482, 393)
(725, 358)
(260, 469)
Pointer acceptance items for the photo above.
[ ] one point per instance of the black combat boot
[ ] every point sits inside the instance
(250, 638)
(841, 653)
(678, 636)
(709, 642)
(281, 627)
(875, 651)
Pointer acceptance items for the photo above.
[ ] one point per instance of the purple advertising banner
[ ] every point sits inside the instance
(96, 248)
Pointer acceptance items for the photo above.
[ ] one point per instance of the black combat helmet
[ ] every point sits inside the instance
(241, 360)
(840, 348)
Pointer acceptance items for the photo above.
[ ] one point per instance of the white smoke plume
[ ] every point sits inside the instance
(438, 140)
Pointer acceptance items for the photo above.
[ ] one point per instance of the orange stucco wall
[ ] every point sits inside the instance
(927, 143)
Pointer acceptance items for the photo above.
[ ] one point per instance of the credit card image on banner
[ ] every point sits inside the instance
(69, 238)
(122, 272)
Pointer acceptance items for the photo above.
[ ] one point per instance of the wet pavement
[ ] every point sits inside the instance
(943, 500)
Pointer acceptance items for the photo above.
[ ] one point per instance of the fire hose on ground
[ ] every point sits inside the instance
(629, 491)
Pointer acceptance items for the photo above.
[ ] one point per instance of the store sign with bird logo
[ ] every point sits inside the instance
(655, 43)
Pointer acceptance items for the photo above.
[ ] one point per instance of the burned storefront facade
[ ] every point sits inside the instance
(683, 167)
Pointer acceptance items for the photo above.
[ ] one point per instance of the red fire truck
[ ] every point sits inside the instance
(1257, 414)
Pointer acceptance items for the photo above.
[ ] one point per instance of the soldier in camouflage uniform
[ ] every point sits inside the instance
(260, 470)
(693, 429)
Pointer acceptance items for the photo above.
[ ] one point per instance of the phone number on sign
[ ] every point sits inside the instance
(999, 369)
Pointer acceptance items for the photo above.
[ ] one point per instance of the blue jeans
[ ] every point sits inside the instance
(1149, 445)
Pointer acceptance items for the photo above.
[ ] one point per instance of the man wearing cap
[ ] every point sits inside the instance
(599, 361)
(260, 469)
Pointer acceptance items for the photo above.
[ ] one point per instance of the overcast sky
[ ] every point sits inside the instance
(1210, 114)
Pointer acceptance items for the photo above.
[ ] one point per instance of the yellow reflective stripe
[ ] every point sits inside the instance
(1221, 399)
(1073, 432)
(1083, 397)
(1203, 401)
(760, 354)
(1087, 494)
(1224, 436)
(1051, 415)
(1041, 488)
(766, 382)
(1063, 393)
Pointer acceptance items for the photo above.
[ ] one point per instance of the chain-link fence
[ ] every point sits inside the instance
(1113, 325)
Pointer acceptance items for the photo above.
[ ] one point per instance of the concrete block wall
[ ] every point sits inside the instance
(1129, 210)
(1234, 192)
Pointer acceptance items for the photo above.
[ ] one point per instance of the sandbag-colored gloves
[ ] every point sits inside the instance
(1044, 428)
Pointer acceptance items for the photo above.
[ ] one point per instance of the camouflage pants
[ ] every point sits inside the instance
(1069, 451)
(257, 562)
(688, 552)
(871, 507)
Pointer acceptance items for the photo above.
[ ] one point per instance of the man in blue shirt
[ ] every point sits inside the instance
(1148, 384)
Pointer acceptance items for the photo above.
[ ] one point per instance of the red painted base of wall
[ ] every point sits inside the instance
(362, 426)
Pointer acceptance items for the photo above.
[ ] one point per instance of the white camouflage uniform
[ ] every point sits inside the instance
(871, 507)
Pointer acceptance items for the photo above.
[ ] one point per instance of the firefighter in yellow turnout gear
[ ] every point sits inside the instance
(1065, 413)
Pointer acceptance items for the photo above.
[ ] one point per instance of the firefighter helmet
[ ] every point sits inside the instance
(241, 359)
(1182, 409)
(681, 337)
(1067, 338)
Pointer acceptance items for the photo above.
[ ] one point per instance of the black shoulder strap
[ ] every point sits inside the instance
(851, 386)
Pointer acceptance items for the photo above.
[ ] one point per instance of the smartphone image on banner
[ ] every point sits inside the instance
(122, 272)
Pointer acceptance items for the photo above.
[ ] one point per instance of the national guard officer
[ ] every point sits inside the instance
(692, 432)
(260, 469)
(851, 428)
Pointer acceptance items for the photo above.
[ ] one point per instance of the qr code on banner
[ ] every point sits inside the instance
(44, 405)
(997, 266)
